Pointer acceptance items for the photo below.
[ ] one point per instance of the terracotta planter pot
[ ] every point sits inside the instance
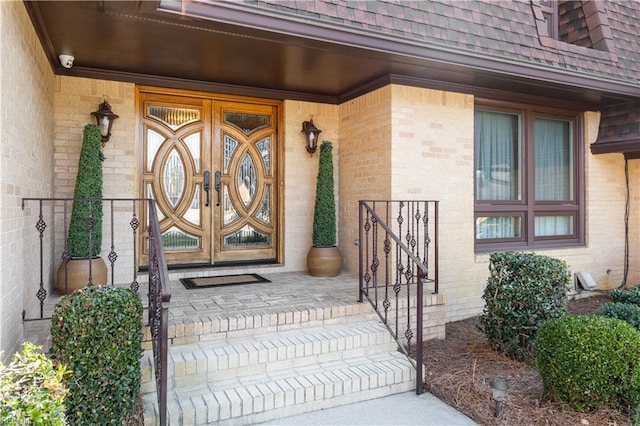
(324, 261)
(78, 274)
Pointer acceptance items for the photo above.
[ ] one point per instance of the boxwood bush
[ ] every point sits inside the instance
(523, 290)
(97, 333)
(590, 362)
(32, 389)
(628, 312)
(626, 296)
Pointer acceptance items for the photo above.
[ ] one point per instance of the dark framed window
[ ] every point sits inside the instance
(529, 174)
(550, 15)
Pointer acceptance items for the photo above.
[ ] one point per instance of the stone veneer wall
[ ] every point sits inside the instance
(26, 165)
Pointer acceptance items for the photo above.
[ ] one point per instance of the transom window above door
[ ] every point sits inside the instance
(529, 178)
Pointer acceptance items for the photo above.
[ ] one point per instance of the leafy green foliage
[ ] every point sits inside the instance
(88, 185)
(590, 362)
(32, 390)
(626, 296)
(97, 332)
(523, 290)
(627, 312)
(324, 215)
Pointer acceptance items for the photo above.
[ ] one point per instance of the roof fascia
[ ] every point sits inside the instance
(288, 24)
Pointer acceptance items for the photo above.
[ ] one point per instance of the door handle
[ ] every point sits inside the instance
(218, 184)
(207, 185)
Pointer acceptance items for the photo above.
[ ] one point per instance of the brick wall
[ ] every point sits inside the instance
(74, 100)
(365, 163)
(301, 171)
(26, 164)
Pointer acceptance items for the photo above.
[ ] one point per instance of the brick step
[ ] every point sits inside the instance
(230, 358)
(185, 331)
(259, 398)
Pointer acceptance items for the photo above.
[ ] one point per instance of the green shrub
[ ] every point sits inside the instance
(627, 312)
(88, 185)
(97, 332)
(324, 213)
(626, 296)
(523, 290)
(590, 362)
(32, 390)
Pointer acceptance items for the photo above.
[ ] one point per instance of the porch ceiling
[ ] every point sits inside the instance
(216, 46)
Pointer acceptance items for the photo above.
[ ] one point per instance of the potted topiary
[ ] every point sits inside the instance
(324, 259)
(82, 263)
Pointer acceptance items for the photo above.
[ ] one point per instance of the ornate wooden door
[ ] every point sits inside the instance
(210, 167)
(245, 182)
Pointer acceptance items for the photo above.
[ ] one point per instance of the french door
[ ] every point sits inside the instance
(211, 167)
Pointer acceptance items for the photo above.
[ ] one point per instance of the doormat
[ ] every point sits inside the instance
(203, 282)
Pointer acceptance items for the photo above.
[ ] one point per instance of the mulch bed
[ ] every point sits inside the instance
(460, 367)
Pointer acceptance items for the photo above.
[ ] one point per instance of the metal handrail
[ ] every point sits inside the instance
(408, 266)
(159, 298)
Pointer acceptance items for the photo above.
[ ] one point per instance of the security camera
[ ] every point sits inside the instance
(66, 60)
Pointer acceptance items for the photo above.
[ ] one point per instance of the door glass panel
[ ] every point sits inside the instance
(230, 145)
(247, 123)
(247, 236)
(173, 117)
(154, 140)
(150, 195)
(174, 178)
(193, 144)
(263, 147)
(263, 214)
(193, 214)
(230, 214)
(176, 239)
(247, 180)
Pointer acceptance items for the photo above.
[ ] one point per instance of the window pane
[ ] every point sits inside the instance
(553, 160)
(497, 156)
(498, 227)
(547, 226)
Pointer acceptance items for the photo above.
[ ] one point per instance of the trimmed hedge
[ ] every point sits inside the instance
(88, 185)
(32, 390)
(324, 213)
(627, 312)
(97, 332)
(590, 362)
(626, 296)
(523, 290)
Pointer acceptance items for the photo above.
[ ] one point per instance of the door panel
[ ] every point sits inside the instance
(176, 134)
(244, 222)
(211, 167)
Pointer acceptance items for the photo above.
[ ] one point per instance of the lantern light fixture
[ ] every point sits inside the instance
(311, 133)
(499, 388)
(104, 118)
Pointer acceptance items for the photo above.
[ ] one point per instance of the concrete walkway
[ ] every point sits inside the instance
(401, 409)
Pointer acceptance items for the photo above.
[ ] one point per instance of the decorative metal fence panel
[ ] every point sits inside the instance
(398, 243)
(121, 230)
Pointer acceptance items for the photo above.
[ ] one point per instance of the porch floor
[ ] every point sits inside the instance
(287, 292)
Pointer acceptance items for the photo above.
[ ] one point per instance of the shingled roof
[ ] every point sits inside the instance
(501, 30)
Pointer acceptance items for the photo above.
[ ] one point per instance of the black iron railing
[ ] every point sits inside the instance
(398, 242)
(159, 298)
(121, 218)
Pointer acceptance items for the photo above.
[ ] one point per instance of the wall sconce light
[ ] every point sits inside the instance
(311, 133)
(499, 388)
(105, 118)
